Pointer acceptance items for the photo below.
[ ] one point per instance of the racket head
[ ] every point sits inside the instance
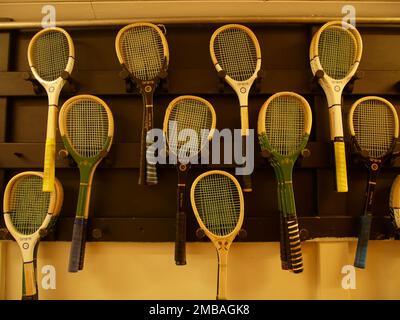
(284, 125)
(50, 52)
(27, 209)
(374, 126)
(218, 204)
(336, 48)
(87, 128)
(188, 112)
(234, 48)
(142, 49)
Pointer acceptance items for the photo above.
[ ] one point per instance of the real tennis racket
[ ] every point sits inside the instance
(142, 50)
(235, 51)
(394, 204)
(189, 124)
(284, 125)
(87, 129)
(374, 127)
(336, 49)
(50, 54)
(27, 211)
(217, 202)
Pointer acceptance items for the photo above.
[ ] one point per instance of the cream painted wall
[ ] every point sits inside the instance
(147, 271)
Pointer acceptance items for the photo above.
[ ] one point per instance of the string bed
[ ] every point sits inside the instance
(87, 127)
(50, 55)
(284, 123)
(337, 52)
(373, 123)
(28, 204)
(189, 114)
(236, 53)
(142, 52)
(218, 203)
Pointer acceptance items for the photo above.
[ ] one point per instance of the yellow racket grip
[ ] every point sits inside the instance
(49, 165)
(340, 165)
(30, 279)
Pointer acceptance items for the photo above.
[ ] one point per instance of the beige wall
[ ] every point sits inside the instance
(147, 271)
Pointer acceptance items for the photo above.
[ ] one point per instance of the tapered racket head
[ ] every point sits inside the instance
(336, 49)
(374, 126)
(50, 52)
(217, 202)
(189, 124)
(235, 49)
(143, 50)
(87, 127)
(27, 209)
(284, 124)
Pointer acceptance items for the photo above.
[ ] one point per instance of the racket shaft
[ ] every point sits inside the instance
(180, 238)
(293, 234)
(222, 278)
(282, 226)
(75, 255)
(247, 185)
(50, 150)
(142, 167)
(83, 245)
(151, 171)
(29, 281)
(365, 221)
(336, 128)
(79, 231)
(362, 244)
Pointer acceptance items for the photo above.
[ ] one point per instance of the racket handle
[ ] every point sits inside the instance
(151, 169)
(283, 247)
(362, 244)
(29, 278)
(296, 258)
(180, 240)
(83, 246)
(340, 166)
(76, 245)
(247, 185)
(49, 165)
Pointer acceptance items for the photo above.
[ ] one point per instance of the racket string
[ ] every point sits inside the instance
(337, 51)
(50, 55)
(374, 127)
(284, 124)
(218, 203)
(87, 127)
(189, 114)
(236, 53)
(28, 204)
(143, 52)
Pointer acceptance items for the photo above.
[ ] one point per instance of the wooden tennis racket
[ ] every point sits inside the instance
(27, 212)
(235, 52)
(189, 125)
(284, 126)
(87, 129)
(217, 202)
(374, 128)
(142, 51)
(337, 52)
(51, 53)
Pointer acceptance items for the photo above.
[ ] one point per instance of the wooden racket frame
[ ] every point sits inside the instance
(241, 88)
(53, 90)
(221, 243)
(333, 89)
(28, 243)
